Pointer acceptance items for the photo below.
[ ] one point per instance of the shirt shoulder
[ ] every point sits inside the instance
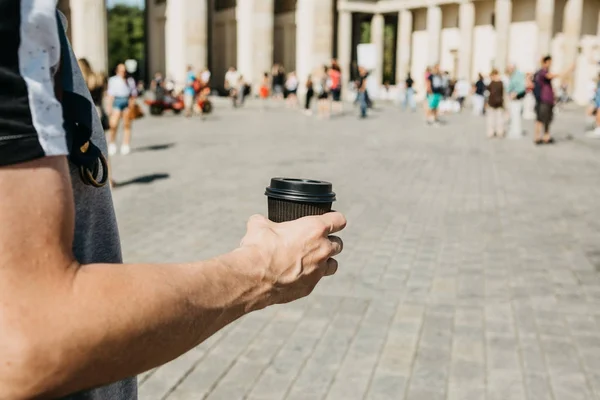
(30, 115)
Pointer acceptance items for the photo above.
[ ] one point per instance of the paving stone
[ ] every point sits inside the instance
(468, 271)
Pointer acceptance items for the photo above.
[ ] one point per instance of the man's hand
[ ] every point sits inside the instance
(295, 255)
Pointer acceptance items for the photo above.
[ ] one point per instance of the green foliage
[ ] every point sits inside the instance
(389, 56)
(125, 35)
(365, 32)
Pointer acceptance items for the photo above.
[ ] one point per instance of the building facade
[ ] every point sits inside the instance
(464, 36)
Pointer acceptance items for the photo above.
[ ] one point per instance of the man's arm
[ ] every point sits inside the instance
(562, 74)
(67, 327)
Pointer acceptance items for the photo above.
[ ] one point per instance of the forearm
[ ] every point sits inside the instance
(110, 322)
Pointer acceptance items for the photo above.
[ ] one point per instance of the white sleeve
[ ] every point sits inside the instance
(39, 53)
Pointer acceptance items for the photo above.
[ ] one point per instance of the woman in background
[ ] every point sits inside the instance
(291, 87)
(323, 106)
(495, 104)
(121, 95)
(335, 84)
(96, 85)
(310, 92)
(264, 90)
(479, 96)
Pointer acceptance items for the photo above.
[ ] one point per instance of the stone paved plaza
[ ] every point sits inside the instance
(470, 269)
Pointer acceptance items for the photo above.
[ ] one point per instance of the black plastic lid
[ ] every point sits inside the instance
(305, 190)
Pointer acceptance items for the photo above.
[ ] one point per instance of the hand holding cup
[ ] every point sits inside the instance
(294, 255)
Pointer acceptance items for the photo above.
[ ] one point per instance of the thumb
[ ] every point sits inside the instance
(257, 221)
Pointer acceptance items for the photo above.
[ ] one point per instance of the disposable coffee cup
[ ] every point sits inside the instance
(290, 199)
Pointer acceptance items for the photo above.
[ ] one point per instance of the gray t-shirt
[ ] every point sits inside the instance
(96, 234)
(31, 127)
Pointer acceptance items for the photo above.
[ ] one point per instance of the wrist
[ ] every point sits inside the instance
(247, 268)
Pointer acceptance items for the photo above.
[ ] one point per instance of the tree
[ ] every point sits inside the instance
(125, 35)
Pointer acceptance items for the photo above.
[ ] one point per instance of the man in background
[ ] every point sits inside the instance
(544, 94)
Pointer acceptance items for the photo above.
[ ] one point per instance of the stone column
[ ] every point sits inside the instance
(186, 38)
(196, 33)
(88, 32)
(466, 22)
(503, 18)
(377, 38)
(255, 24)
(314, 36)
(434, 32)
(403, 48)
(345, 44)
(598, 30)
(544, 16)
(572, 30)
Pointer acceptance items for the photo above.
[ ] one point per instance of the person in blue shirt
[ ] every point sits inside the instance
(189, 93)
(516, 92)
(596, 132)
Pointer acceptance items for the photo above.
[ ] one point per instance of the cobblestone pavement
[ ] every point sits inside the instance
(470, 270)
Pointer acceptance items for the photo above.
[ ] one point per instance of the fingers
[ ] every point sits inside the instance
(334, 221)
(337, 245)
(331, 267)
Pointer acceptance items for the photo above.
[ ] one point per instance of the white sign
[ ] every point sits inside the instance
(367, 58)
(367, 55)
(131, 66)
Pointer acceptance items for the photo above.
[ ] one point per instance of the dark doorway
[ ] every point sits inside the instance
(390, 43)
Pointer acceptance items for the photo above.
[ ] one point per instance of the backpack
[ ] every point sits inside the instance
(78, 115)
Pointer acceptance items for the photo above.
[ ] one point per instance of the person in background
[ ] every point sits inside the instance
(495, 103)
(517, 90)
(264, 90)
(205, 77)
(243, 90)
(121, 91)
(323, 106)
(479, 96)
(291, 86)
(446, 85)
(335, 82)
(426, 76)
(157, 85)
(544, 94)
(278, 81)
(189, 92)
(232, 78)
(361, 88)
(461, 92)
(409, 94)
(310, 92)
(95, 83)
(596, 112)
(435, 92)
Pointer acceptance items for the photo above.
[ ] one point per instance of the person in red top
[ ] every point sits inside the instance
(335, 78)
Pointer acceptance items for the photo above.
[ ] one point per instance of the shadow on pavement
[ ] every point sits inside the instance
(156, 147)
(141, 180)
